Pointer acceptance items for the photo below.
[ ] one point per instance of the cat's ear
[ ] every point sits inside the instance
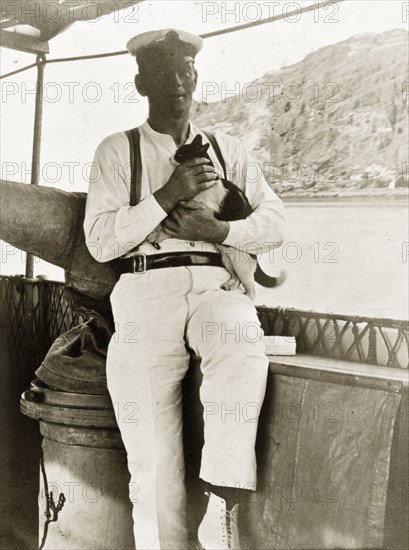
(197, 142)
(205, 147)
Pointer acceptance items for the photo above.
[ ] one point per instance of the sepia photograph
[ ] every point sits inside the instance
(204, 276)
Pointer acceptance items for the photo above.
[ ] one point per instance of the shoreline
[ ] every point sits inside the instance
(384, 198)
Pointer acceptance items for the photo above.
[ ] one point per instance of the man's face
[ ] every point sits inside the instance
(168, 84)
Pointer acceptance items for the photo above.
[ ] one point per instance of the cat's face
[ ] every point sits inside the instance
(193, 150)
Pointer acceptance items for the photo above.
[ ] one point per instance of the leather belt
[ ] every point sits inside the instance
(140, 263)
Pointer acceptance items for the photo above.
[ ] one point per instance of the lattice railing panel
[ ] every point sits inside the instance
(15, 304)
(25, 324)
(39, 312)
(59, 313)
(351, 338)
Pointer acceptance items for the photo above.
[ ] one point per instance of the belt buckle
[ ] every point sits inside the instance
(136, 268)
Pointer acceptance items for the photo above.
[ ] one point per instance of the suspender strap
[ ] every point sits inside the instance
(216, 149)
(134, 138)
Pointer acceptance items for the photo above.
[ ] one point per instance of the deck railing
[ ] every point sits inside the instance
(376, 341)
(38, 312)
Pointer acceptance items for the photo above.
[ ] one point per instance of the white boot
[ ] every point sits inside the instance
(219, 529)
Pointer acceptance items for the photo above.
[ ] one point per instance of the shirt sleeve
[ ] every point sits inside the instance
(112, 227)
(264, 228)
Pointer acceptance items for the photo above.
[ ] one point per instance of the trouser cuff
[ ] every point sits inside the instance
(220, 469)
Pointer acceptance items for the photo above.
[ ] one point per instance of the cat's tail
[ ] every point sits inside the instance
(267, 280)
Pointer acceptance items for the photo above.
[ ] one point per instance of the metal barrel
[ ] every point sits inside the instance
(84, 500)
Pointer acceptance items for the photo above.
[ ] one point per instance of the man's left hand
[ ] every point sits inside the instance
(194, 221)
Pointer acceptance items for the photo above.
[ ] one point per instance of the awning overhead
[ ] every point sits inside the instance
(27, 25)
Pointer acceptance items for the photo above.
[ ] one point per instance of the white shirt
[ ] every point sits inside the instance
(113, 228)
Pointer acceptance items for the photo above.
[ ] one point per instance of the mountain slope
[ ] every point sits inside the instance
(336, 120)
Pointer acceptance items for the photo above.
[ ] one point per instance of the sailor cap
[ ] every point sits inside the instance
(163, 38)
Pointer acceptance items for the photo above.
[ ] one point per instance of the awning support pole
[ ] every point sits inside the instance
(35, 161)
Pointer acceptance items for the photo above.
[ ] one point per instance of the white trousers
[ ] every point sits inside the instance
(157, 314)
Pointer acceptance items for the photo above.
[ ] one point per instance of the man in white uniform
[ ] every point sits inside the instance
(178, 304)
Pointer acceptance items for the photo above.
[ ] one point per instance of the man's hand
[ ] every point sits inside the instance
(194, 221)
(187, 180)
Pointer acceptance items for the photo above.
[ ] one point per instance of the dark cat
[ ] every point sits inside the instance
(228, 203)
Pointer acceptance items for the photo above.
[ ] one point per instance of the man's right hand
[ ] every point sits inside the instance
(187, 180)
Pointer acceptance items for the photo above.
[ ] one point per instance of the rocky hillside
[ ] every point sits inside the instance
(336, 120)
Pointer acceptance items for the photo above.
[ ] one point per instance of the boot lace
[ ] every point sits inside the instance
(227, 534)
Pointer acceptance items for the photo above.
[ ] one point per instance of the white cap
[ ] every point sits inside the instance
(154, 37)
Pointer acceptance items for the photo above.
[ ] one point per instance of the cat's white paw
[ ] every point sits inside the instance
(231, 284)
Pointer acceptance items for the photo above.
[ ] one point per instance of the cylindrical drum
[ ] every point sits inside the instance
(84, 498)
